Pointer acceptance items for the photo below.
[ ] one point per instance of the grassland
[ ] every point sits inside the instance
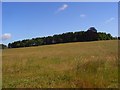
(71, 65)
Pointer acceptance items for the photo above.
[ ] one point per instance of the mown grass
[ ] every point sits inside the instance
(71, 65)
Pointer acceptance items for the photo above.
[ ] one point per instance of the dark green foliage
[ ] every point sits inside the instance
(90, 35)
(119, 38)
(2, 46)
(104, 36)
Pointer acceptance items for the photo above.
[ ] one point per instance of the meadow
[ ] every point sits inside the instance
(70, 65)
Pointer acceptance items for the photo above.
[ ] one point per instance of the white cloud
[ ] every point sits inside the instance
(82, 15)
(6, 36)
(109, 20)
(62, 8)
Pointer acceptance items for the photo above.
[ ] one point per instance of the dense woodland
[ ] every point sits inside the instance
(2, 46)
(90, 35)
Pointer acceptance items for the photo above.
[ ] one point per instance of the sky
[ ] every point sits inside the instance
(26, 20)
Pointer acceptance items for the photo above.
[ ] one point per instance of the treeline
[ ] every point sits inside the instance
(2, 46)
(90, 35)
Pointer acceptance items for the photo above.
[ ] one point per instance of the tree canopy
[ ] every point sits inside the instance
(90, 35)
(2, 46)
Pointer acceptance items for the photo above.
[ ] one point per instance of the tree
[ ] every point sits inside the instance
(2, 46)
(90, 35)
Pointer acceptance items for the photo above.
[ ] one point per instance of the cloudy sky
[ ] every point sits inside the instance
(30, 20)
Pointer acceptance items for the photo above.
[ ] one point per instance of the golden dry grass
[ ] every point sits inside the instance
(71, 65)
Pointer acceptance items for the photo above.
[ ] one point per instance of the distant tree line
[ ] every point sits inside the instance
(2, 46)
(90, 35)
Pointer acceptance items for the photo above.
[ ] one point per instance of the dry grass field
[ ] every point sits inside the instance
(70, 65)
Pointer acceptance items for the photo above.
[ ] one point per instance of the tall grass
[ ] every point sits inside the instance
(72, 65)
